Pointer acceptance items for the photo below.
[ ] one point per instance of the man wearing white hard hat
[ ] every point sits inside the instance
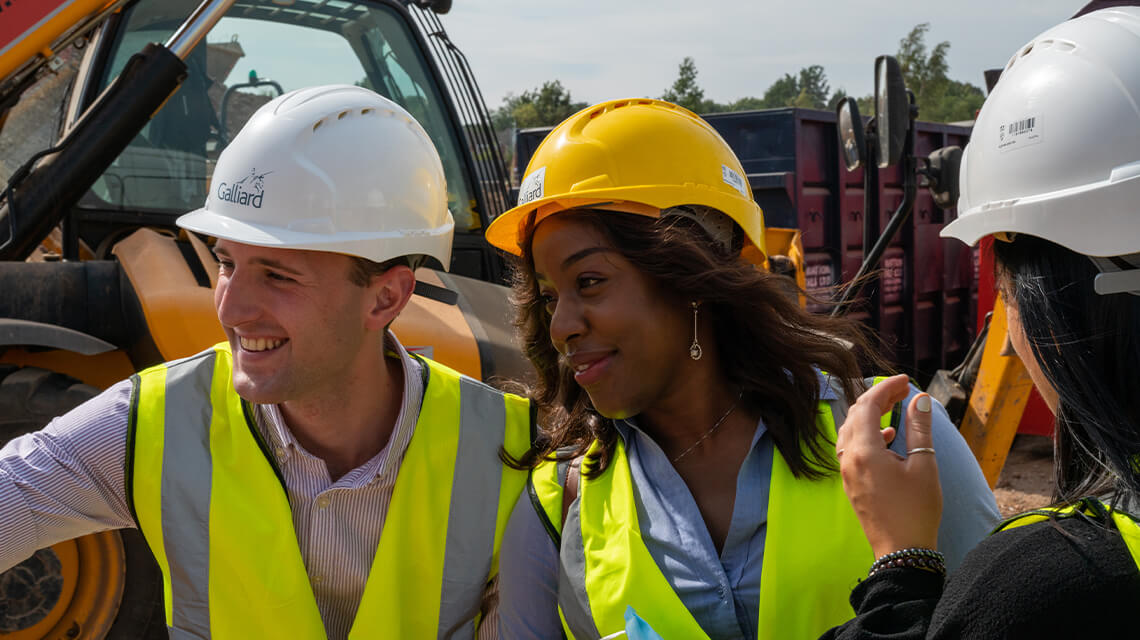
(308, 478)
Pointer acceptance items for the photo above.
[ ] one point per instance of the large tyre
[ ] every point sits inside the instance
(105, 585)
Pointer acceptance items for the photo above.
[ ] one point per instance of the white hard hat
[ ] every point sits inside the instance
(1055, 151)
(333, 168)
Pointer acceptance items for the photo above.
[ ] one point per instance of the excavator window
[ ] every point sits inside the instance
(257, 51)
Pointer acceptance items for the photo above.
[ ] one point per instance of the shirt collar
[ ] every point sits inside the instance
(282, 439)
(826, 391)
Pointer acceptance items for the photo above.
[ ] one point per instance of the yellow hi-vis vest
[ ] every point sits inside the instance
(214, 510)
(1127, 526)
(814, 551)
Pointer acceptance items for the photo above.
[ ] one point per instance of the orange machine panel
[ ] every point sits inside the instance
(438, 331)
(29, 27)
(179, 312)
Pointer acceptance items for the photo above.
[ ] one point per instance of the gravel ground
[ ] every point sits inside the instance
(1026, 480)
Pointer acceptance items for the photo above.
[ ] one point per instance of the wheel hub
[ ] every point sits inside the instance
(30, 590)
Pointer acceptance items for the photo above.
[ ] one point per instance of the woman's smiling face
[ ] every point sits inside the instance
(626, 341)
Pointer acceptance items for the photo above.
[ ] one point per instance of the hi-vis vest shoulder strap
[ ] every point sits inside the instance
(814, 553)
(1127, 525)
(213, 507)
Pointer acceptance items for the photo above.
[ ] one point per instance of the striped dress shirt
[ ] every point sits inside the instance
(68, 480)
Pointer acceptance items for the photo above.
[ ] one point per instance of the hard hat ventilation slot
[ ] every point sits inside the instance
(341, 115)
(367, 111)
(1061, 45)
(317, 124)
(1026, 50)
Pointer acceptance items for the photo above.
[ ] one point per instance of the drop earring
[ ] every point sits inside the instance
(695, 348)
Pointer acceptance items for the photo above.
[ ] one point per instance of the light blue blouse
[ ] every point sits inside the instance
(722, 591)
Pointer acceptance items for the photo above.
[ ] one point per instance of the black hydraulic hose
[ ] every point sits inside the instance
(31, 208)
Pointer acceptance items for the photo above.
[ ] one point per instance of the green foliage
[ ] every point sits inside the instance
(958, 101)
(814, 89)
(685, 90)
(809, 89)
(833, 101)
(939, 98)
(781, 93)
(746, 104)
(545, 106)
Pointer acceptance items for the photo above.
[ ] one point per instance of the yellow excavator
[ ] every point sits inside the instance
(112, 115)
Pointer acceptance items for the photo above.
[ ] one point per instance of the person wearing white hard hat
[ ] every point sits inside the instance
(1052, 173)
(308, 478)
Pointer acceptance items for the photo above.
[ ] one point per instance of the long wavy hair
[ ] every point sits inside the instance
(1088, 347)
(768, 346)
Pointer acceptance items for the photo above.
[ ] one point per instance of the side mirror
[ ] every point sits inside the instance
(438, 6)
(850, 133)
(892, 110)
(942, 170)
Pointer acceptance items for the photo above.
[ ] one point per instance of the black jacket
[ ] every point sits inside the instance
(1071, 578)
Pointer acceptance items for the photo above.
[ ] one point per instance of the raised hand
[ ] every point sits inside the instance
(898, 500)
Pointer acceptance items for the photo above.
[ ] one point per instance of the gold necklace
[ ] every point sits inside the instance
(708, 433)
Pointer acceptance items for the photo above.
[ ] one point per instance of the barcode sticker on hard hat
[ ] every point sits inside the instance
(1019, 133)
(533, 186)
(733, 179)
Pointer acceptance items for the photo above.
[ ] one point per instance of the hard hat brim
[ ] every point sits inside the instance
(506, 231)
(434, 242)
(1063, 217)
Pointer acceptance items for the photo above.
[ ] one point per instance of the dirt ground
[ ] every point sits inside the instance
(1026, 480)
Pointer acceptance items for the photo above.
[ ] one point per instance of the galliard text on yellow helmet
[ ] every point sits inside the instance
(637, 156)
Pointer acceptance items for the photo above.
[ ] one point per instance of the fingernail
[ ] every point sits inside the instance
(923, 403)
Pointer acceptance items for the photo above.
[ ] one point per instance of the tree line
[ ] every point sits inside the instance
(939, 98)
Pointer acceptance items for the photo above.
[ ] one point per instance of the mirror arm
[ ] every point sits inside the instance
(910, 191)
(871, 187)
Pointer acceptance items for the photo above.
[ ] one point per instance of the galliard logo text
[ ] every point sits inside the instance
(249, 191)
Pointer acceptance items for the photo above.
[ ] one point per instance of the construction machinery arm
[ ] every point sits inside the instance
(41, 192)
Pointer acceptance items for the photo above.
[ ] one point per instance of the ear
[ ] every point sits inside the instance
(388, 294)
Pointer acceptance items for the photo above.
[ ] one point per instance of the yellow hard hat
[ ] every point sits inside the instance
(636, 156)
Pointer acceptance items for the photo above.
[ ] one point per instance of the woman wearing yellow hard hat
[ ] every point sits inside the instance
(685, 477)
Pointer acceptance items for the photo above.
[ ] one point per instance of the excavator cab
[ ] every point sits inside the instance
(257, 51)
(98, 281)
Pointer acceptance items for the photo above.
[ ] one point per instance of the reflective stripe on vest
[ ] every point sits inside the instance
(814, 551)
(1127, 526)
(215, 513)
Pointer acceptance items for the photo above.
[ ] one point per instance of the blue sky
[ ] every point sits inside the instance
(603, 49)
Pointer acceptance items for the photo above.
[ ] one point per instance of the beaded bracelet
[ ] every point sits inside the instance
(915, 558)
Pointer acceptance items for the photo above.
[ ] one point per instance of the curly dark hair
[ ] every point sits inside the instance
(768, 345)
